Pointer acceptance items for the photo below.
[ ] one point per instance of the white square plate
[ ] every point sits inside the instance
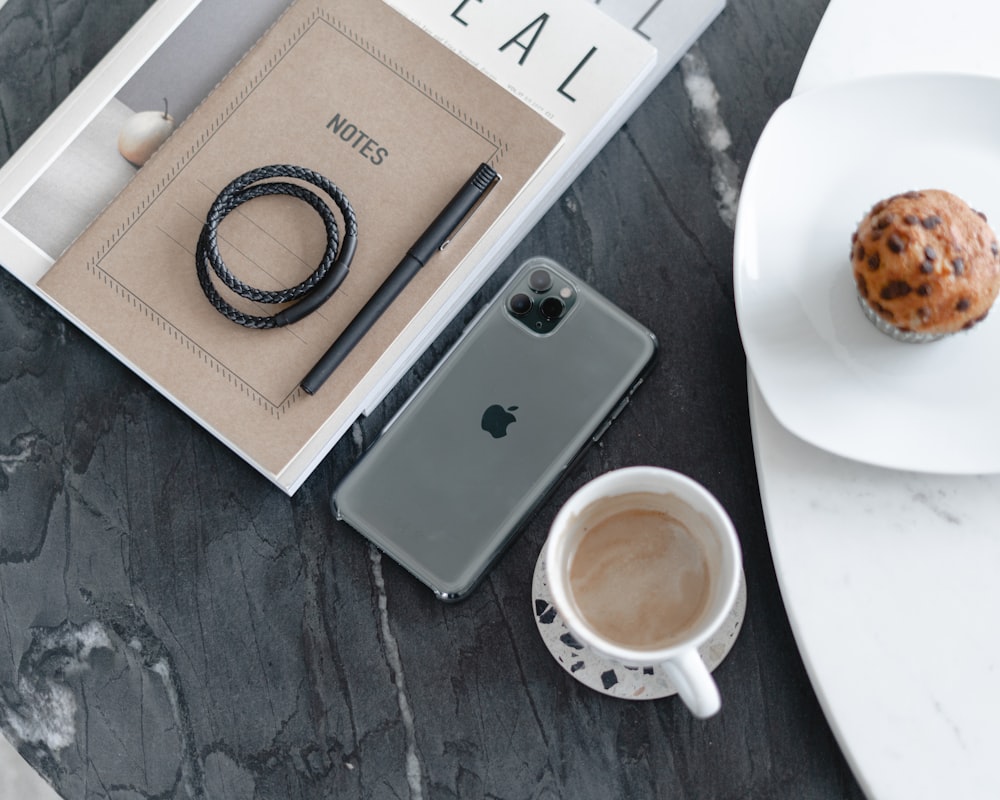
(831, 378)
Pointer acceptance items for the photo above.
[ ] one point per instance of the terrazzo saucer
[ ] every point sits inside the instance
(610, 677)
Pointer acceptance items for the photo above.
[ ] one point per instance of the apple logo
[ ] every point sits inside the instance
(496, 418)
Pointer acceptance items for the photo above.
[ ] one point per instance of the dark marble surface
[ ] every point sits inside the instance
(171, 626)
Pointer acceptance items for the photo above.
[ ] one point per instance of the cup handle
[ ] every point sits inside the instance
(694, 683)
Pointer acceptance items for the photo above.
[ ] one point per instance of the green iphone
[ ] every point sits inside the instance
(538, 375)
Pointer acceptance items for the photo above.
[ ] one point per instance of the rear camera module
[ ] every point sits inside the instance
(520, 304)
(540, 280)
(540, 299)
(552, 308)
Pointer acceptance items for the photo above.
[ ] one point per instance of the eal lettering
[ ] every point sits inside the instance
(526, 39)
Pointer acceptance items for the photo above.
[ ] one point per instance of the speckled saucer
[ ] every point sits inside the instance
(610, 677)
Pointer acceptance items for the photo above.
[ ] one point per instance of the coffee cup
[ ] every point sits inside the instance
(644, 566)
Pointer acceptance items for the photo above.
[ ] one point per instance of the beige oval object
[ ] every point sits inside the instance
(142, 134)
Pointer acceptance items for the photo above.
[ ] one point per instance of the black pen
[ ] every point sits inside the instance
(432, 240)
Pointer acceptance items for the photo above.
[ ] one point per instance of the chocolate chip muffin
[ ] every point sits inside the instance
(926, 265)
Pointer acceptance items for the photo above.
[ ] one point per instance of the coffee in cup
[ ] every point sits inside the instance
(644, 566)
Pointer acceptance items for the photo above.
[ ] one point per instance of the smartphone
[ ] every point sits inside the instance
(536, 377)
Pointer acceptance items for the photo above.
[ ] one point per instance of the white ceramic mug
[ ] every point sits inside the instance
(626, 582)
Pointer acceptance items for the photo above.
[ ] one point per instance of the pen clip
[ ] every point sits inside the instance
(493, 178)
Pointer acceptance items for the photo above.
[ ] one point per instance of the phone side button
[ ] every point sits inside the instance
(601, 431)
(619, 408)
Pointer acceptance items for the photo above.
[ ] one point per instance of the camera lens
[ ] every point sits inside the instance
(520, 304)
(551, 308)
(540, 280)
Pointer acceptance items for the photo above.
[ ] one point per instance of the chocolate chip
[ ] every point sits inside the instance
(895, 289)
(958, 265)
(859, 279)
(874, 262)
(896, 244)
(881, 309)
(911, 219)
(927, 268)
(879, 207)
(875, 235)
(975, 321)
(995, 249)
(859, 253)
(913, 195)
(885, 221)
(930, 253)
(962, 305)
(924, 289)
(982, 216)
(931, 222)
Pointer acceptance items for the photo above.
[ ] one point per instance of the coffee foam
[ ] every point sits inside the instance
(640, 571)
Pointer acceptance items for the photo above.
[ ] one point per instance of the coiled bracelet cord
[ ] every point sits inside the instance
(314, 290)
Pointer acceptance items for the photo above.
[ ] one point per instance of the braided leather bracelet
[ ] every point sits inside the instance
(314, 290)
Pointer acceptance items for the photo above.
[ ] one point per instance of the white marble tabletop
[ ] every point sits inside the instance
(891, 578)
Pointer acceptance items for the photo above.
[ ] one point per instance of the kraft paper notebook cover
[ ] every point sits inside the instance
(353, 91)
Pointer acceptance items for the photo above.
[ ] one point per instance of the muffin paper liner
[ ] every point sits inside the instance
(910, 337)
